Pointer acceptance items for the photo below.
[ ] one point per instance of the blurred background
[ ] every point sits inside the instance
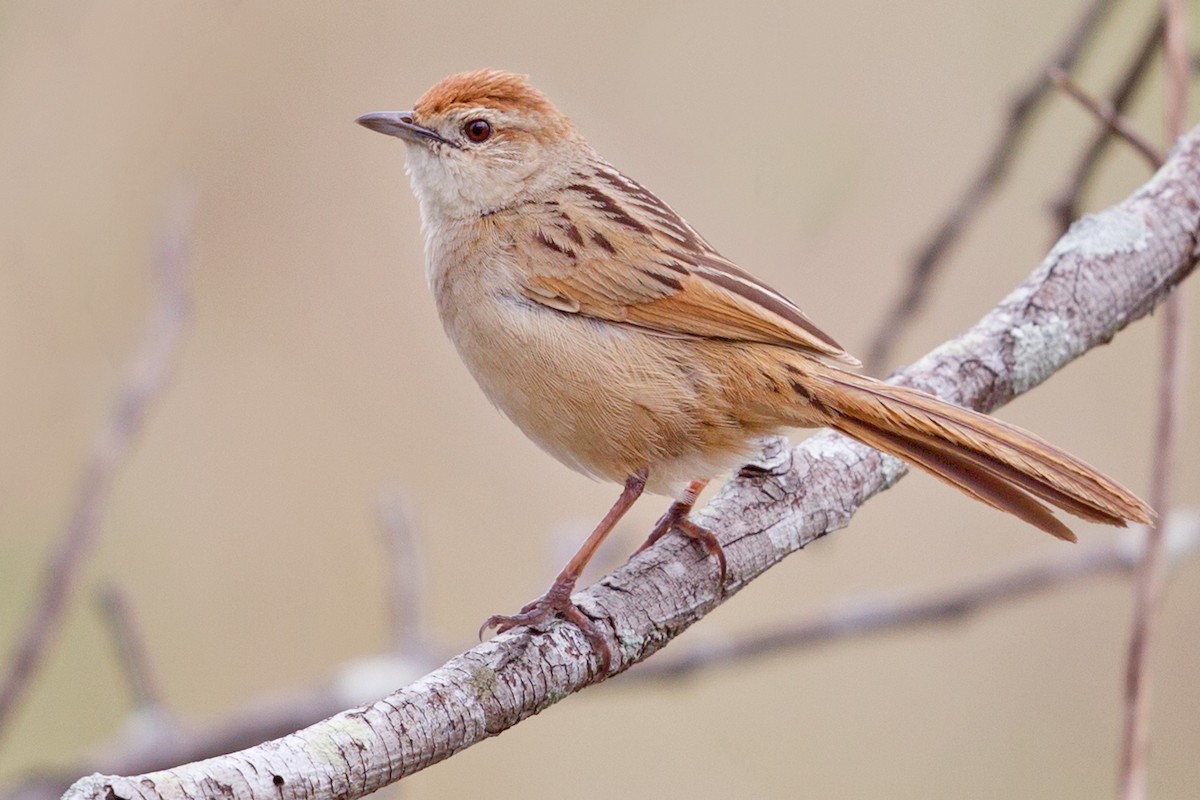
(816, 144)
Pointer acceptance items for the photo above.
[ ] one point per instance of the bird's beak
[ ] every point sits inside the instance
(400, 124)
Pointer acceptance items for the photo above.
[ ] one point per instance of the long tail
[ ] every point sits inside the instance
(992, 461)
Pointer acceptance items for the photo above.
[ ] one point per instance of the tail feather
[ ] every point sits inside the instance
(956, 471)
(1024, 474)
(990, 460)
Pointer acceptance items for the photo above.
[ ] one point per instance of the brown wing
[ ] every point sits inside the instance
(610, 249)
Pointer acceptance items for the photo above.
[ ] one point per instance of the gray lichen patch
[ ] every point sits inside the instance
(1038, 350)
(483, 682)
(327, 744)
(1115, 231)
(631, 643)
(893, 470)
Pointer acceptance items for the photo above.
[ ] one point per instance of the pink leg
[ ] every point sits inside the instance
(676, 519)
(557, 599)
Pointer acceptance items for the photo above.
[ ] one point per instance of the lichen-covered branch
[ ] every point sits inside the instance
(1110, 269)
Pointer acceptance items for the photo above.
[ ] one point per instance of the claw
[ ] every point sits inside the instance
(708, 540)
(555, 602)
(676, 519)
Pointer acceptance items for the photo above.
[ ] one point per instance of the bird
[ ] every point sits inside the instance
(623, 344)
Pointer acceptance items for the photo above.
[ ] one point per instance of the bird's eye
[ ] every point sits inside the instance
(478, 130)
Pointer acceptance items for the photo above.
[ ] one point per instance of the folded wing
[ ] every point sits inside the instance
(636, 262)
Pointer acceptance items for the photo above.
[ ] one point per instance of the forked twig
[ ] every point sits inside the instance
(1066, 207)
(148, 375)
(930, 256)
(1107, 113)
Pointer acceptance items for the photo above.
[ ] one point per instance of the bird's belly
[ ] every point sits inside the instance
(604, 399)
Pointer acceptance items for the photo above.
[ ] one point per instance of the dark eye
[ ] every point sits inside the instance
(478, 130)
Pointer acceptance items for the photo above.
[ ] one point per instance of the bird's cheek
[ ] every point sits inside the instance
(485, 187)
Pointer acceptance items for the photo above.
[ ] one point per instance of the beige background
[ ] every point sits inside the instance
(814, 143)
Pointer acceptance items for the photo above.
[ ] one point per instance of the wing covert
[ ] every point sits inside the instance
(612, 250)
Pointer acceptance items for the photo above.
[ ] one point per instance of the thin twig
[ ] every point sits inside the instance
(1066, 207)
(406, 576)
(1148, 586)
(871, 615)
(131, 649)
(147, 377)
(930, 256)
(1107, 114)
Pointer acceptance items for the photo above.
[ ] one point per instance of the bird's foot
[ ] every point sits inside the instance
(676, 519)
(556, 602)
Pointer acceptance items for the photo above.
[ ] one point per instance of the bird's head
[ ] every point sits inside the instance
(479, 142)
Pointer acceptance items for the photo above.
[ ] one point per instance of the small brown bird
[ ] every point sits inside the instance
(624, 345)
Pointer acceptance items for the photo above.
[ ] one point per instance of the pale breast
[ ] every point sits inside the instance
(604, 398)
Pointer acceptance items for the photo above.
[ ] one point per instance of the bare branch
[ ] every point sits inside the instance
(131, 648)
(1110, 269)
(1107, 113)
(1066, 207)
(277, 716)
(1151, 573)
(148, 375)
(868, 615)
(924, 266)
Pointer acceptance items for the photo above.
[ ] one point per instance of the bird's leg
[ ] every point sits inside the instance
(557, 599)
(676, 519)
